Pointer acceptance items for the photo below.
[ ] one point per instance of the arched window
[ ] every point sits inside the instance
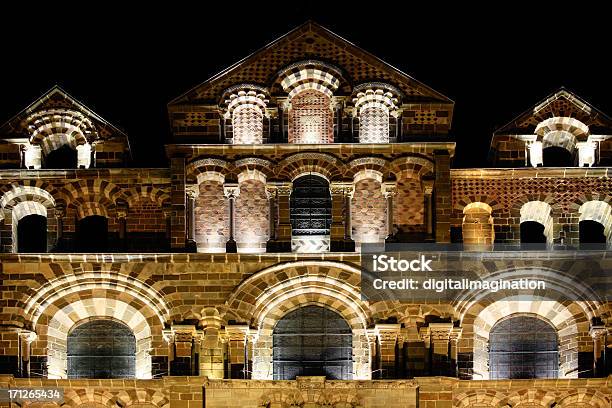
(532, 234)
(93, 234)
(555, 156)
(310, 206)
(523, 347)
(477, 227)
(101, 349)
(536, 225)
(32, 234)
(312, 340)
(592, 234)
(310, 118)
(64, 157)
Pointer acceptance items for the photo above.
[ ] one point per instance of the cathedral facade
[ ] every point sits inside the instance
(233, 277)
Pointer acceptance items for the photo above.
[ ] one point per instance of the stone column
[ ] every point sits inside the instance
(271, 192)
(32, 157)
(387, 335)
(341, 194)
(454, 349)
(237, 336)
(283, 230)
(26, 338)
(586, 153)
(412, 347)
(60, 213)
(598, 334)
(211, 350)
(425, 334)
(231, 192)
(182, 348)
(440, 348)
(192, 195)
(442, 196)
(536, 157)
(389, 191)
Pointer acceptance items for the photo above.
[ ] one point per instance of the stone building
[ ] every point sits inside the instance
(232, 277)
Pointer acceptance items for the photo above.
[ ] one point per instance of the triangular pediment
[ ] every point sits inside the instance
(57, 98)
(562, 103)
(310, 41)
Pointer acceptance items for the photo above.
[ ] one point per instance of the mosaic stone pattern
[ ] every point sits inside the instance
(211, 218)
(310, 118)
(252, 216)
(368, 212)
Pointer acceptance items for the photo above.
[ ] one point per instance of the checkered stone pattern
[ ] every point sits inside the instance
(252, 217)
(562, 199)
(311, 118)
(374, 125)
(247, 121)
(368, 212)
(211, 218)
(54, 128)
(408, 208)
(310, 244)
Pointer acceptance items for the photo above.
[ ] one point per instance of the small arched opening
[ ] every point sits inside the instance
(32, 234)
(312, 341)
(592, 234)
(523, 347)
(101, 348)
(64, 157)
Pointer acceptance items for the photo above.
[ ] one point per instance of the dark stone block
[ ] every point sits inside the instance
(8, 365)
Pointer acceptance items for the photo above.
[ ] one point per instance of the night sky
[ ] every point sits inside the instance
(127, 65)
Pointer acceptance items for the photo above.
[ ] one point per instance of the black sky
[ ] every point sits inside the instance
(127, 64)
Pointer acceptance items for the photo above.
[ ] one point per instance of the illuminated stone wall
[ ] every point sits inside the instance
(563, 194)
(311, 118)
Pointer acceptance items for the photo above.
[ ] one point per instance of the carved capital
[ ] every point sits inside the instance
(598, 332)
(425, 334)
(60, 211)
(389, 189)
(428, 186)
(192, 191)
(284, 189)
(456, 333)
(342, 188)
(28, 336)
(231, 190)
(271, 191)
(387, 333)
(440, 331)
(237, 332)
(168, 336)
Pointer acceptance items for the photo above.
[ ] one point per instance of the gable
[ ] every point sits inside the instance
(56, 99)
(310, 41)
(562, 103)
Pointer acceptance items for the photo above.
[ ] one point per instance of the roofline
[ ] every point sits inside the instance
(541, 101)
(301, 26)
(58, 88)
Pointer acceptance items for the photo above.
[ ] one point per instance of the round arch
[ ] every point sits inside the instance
(61, 319)
(265, 297)
(569, 319)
